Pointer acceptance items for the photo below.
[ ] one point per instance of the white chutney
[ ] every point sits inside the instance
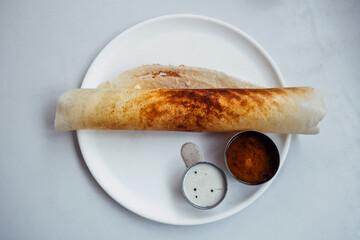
(204, 185)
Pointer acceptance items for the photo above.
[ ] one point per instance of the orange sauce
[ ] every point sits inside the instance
(251, 158)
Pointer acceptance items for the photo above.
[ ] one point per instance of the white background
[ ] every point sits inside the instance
(46, 190)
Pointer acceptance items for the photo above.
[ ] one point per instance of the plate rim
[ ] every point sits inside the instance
(212, 20)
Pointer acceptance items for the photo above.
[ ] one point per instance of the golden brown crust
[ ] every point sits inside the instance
(287, 110)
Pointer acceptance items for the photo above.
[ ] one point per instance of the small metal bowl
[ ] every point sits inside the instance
(271, 148)
(207, 206)
(201, 174)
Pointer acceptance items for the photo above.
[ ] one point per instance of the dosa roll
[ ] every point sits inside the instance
(274, 110)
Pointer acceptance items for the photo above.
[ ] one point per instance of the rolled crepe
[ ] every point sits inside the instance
(276, 110)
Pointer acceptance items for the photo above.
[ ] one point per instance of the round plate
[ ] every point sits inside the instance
(142, 170)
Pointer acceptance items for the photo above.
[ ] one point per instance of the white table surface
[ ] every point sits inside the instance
(46, 190)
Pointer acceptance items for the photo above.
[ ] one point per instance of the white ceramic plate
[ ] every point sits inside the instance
(142, 170)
